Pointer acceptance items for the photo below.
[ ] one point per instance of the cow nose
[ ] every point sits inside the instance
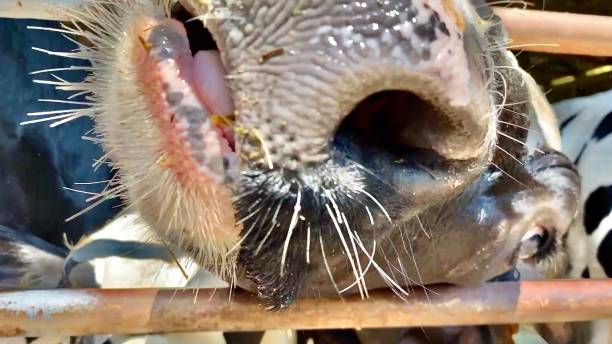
(408, 127)
(321, 72)
(536, 241)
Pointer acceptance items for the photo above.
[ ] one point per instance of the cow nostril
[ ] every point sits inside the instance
(536, 243)
(399, 123)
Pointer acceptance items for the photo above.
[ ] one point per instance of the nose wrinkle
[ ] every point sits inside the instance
(300, 69)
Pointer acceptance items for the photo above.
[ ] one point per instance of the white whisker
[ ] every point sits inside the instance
(72, 102)
(272, 226)
(75, 55)
(533, 45)
(396, 288)
(93, 183)
(377, 203)
(510, 155)
(331, 276)
(81, 191)
(518, 141)
(294, 220)
(346, 248)
(507, 174)
(49, 119)
(329, 196)
(370, 215)
(407, 280)
(44, 113)
(71, 68)
(85, 210)
(308, 244)
(422, 227)
(514, 125)
(239, 243)
(361, 278)
(253, 213)
(393, 268)
(77, 94)
(66, 120)
(52, 29)
(414, 261)
(361, 273)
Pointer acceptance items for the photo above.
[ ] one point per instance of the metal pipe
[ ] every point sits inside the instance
(542, 31)
(557, 32)
(141, 311)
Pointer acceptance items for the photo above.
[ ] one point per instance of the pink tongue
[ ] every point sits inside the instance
(209, 79)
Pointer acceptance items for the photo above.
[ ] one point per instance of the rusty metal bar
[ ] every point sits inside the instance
(557, 32)
(542, 31)
(140, 311)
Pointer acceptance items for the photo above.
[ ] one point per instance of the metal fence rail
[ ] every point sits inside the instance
(141, 311)
(558, 33)
(543, 31)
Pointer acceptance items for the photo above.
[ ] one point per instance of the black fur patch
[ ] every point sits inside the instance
(604, 128)
(598, 205)
(584, 147)
(199, 37)
(567, 122)
(586, 273)
(243, 337)
(604, 254)
(510, 276)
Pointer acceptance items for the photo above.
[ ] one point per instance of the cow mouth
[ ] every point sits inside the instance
(183, 78)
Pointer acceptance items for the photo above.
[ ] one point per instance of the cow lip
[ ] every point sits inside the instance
(208, 71)
(189, 101)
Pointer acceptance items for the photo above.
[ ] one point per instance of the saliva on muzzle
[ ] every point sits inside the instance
(330, 147)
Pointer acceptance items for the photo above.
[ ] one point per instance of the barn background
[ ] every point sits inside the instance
(567, 76)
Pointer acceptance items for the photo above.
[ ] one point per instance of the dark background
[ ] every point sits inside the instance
(36, 161)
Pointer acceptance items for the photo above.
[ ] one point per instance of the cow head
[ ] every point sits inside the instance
(319, 147)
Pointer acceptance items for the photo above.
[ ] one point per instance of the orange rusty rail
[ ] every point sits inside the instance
(543, 31)
(140, 311)
(556, 32)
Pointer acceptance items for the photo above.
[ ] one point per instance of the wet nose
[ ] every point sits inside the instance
(298, 89)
